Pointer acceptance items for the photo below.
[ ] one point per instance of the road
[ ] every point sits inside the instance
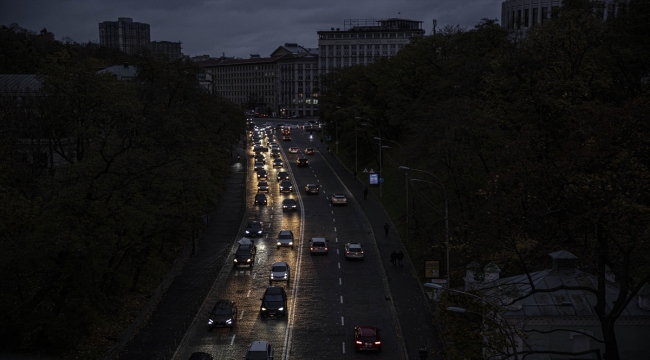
(328, 295)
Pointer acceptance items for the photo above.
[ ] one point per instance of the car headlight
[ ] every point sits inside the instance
(286, 276)
(259, 231)
(247, 232)
(290, 242)
(263, 309)
(229, 321)
(279, 243)
(235, 260)
(248, 260)
(281, 309)
(210, 322)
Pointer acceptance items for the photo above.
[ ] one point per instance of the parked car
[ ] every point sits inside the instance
(289, 205)
(318, 246)
(280, 271)
(367, 338)
(274, 302)
(353, 251)
(339, 199)
(223, 314)
(285, 238)
(259, 350)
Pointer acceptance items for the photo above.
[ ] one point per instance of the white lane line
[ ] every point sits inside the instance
(254, 275)
(342, 321)
(333, 219)
(335, 230)
(241, 315)
(248, 293)
(340, 281)
(337, 239)
(337, 251)
(232, 341)
(341, 299)
(344, 347)
(339, 265)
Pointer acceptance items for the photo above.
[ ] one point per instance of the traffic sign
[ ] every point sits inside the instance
(365, 170)
(372, 171)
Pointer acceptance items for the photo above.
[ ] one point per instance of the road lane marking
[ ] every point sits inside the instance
(340, 281)
(333, 219)
(241, 315)
(344, 347)
(337, 251)
(339, 265)
(248, 293)
(254, 275)
(232, 341)
(342, 321)
(341, 299)
(337, 239)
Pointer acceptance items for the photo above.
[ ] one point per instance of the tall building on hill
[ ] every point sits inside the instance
(363, 41)
(125, 35)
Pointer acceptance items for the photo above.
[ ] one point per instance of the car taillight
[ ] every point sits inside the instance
(377, 342)
(359, 342)
(325, 249)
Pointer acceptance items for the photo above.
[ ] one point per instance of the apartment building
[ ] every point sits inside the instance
(363, 41)
(522, 14)
(125, 35)
(297, 80)
(166, 50)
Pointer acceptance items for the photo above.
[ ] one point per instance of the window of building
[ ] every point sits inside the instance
(392, 46)
(535, 16)
(353, 36)
(518, 19)
(338, 36)
(611, 10)
(407, 35)
(544, 14)
(526, 14)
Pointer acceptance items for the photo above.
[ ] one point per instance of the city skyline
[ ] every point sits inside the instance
(235, 28)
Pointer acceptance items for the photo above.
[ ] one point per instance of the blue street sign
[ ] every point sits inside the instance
(373, 179)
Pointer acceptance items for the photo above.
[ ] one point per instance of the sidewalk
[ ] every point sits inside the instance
(408, 295)
(162, 333)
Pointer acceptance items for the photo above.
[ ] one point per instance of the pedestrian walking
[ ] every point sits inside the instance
(386, 228)
(400, 258)
(365, 192)
(393, 258)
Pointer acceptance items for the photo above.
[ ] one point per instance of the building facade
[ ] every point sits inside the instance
(166, 50)
(364, 41)
(522, 14)
(297, 81)
(125, 35)
(250, 83)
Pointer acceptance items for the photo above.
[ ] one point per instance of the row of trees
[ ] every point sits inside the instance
(540, 139)
(133, 167)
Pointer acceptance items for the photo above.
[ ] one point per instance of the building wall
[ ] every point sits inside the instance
(298, 86)
(167, 50)
(125, 35)
(522, 14)
(364, 41)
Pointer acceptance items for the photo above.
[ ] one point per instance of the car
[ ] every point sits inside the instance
(262, 174)
(283, 175)
(312, 189)
(339, 199)
(259, 165)
(260, 157)
(275, 153)
(302, 162)
(286, 137)
(289, 204)
(293, 150)
(260, 199)
(262, 186)
(259, 350)
(254, 228)
(286, 186)
(318, 246)
(278, 163)
(285, 238)
(280, 271)
(353, 251)
(309, 151)
(201, 356)
(367, 337)
(274, 302)
(223, 314)
(245, 255)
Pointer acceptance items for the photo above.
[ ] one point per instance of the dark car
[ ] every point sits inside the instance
(309, 151)
(223, 314)
(367, 338)
(201, 356)
(286, 186)
(274, 302)
(263, 186)
(275, 153)
(283, 175)
(312, 189)
(245, 255)
(262, 174)
(254, 228)
(302, 162)
(259, 350)
(260, 158)
(278, 163)
(286, 137)
(289, 205)
(260, 199)
(285, 238)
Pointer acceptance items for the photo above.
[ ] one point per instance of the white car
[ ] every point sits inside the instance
(285, 238)
(339, 199)
(318, 246)
(280, 271)
(353, 251)
(293, 150)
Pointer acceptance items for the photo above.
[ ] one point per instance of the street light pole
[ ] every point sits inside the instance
(442, 185)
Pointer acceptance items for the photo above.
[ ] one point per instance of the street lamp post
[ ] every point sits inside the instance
(442, 185)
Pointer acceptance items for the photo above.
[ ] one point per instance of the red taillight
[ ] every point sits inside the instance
(377, 342)
(325, 249)
(359, 342)
(311, 248)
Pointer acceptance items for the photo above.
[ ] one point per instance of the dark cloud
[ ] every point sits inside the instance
(234, 27)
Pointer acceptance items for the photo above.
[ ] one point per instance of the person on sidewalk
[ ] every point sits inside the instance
(400, 258)
(393, 258)
(365, 192)
(386, 228)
